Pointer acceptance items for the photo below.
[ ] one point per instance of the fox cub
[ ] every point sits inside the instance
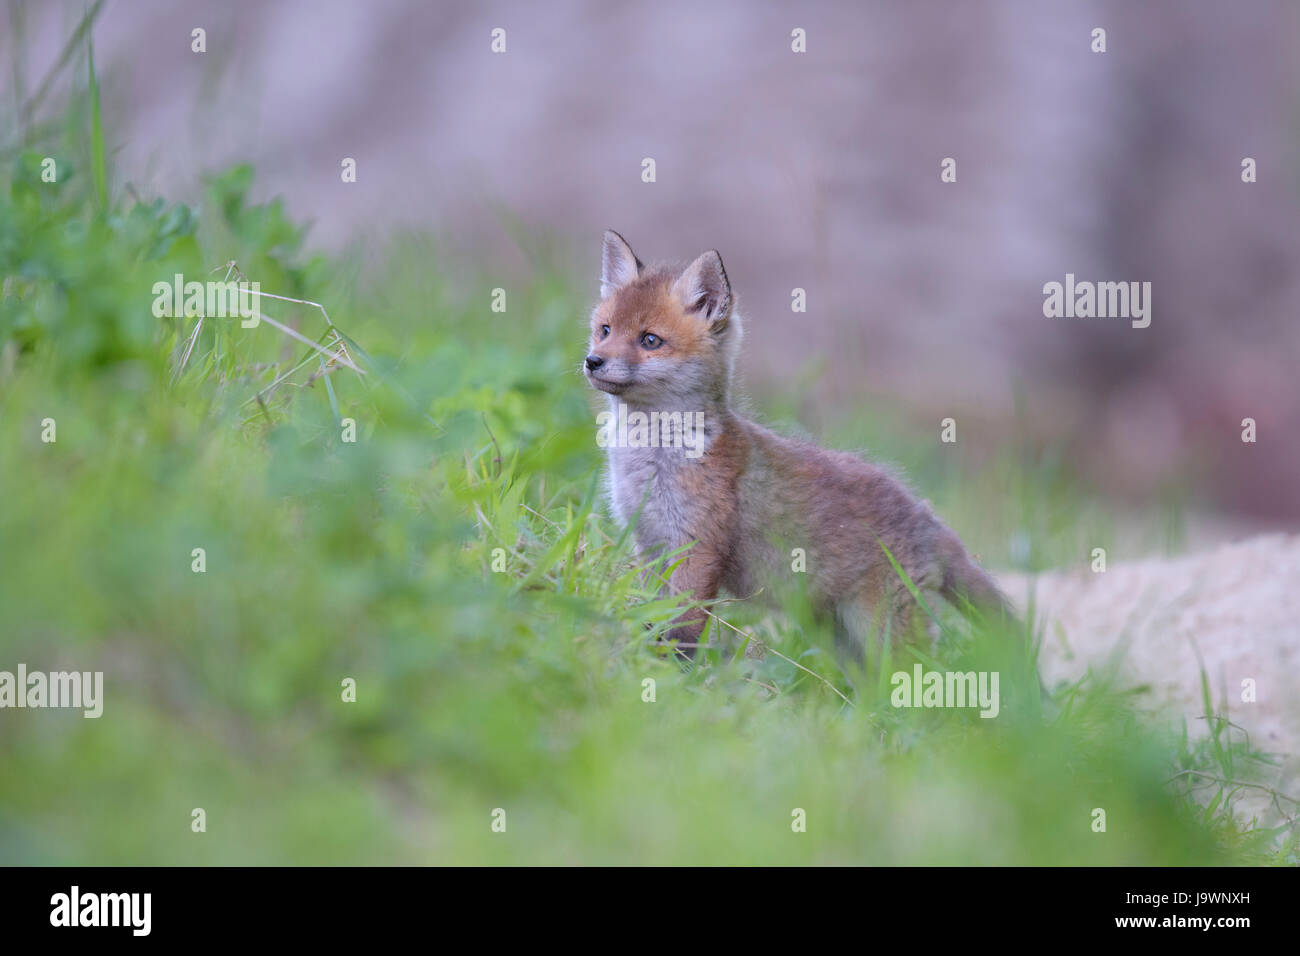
(663, 344)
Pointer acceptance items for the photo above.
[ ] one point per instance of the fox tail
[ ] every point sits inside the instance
(966, 584)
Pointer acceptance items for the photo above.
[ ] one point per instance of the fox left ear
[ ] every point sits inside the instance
(704, 289)
(618, 264)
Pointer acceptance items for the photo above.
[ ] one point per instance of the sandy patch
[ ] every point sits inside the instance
(1238, 605)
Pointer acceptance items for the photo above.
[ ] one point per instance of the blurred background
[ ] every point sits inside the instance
(455, 561)
(816, 170)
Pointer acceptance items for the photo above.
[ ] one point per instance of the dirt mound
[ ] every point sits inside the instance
(1234, 610)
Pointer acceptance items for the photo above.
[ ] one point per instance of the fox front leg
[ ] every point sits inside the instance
(698, 574)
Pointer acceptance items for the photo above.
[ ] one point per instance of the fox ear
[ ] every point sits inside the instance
(618, 264)
(704, 289)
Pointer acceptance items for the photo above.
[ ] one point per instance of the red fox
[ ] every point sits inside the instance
(663, 346)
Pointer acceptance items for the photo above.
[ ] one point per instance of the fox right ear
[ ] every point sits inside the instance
(705, 290)
(618, 264)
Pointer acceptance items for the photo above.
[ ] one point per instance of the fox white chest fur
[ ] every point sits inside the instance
(647, 474)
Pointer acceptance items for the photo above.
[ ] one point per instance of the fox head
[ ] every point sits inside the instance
(660, 336)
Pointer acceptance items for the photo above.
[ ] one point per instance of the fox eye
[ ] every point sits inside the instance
(651, 341)
(604, 331)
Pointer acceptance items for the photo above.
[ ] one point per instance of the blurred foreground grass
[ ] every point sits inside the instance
(477, 689)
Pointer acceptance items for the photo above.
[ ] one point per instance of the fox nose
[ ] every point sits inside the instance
(594, 362)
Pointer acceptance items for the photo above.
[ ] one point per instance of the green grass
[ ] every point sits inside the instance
(520, 688)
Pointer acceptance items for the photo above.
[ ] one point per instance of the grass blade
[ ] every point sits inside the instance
(98, 162)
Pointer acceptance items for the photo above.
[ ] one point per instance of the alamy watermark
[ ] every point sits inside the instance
(1098, 300)
(923, 688)
(656, 429)
(208, 299)
(75, 908)
(77, 689)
